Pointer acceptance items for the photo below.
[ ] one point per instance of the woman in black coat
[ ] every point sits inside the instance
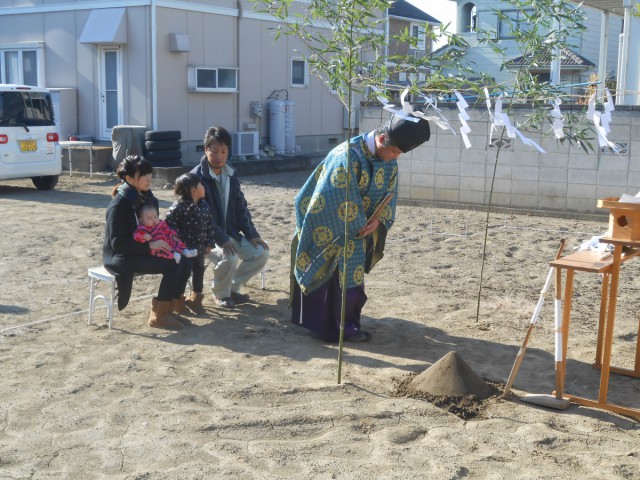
(125, 257)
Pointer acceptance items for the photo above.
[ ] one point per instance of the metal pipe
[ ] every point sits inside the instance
(622, 63)
(154, 68)
(602, 59)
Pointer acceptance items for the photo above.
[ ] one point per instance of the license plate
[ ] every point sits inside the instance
(28, 146)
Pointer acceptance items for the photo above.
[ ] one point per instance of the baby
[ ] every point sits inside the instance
(150, 228)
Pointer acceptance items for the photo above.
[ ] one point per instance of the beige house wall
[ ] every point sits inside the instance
(222, 33)
(264, 66)
(564, 179)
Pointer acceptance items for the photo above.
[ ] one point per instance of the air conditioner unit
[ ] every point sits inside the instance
(244, 144)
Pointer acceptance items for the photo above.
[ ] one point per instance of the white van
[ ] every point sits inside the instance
(28, 136)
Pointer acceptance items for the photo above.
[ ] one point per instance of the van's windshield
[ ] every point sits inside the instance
(30, 109)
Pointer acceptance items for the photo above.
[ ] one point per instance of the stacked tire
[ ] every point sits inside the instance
(162, 148)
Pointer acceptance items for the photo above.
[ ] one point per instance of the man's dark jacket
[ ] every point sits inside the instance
(238, 220)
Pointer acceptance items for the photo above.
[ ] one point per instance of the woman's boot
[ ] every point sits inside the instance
(194, 303)
(179, 307)
(160, 316)
(176, 305)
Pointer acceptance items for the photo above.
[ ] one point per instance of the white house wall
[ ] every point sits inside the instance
(248, 43)
(485, 60)
(136, 76)
(590, 42)
(212, 41)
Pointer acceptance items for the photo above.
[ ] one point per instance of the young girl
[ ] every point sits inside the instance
(191, 217)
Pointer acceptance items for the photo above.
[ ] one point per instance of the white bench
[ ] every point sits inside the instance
(96, 275)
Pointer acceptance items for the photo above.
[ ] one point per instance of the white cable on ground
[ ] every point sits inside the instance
(50, 319)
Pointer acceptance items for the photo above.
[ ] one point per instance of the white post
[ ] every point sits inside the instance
(554, 74)
(621, 84)
(555, 67)
(558, 327)
(602, 59)
(386, 42)
(632, 80)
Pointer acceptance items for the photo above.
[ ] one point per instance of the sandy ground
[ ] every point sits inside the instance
(244, 394)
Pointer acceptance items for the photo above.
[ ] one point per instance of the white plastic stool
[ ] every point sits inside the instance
(96, 274)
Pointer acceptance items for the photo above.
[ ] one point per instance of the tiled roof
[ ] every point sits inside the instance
(404, 9)
(568, 58)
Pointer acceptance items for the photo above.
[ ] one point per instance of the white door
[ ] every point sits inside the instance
(110, 90)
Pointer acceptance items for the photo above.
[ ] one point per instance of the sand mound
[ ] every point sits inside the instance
(450, 376)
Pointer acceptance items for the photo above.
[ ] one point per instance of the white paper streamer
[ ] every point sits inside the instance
(601, 120)
(557, 123)
(528, 141)
(605, 118)
(498, 118)
(596, 117)
(465, 129)
(502, 120)
(488, 102)
(433, 104)
(407, 112)
(406, 107)
(493, 122)
(380, 98)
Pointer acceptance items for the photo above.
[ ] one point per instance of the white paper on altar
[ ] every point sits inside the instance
(626, 198)
(594, 244)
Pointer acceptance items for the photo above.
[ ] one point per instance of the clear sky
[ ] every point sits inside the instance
(443, 10)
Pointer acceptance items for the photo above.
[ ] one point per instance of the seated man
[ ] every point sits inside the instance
(235, 235)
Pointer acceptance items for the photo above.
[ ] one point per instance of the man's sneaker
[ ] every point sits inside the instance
(226, 302)
(239, 298)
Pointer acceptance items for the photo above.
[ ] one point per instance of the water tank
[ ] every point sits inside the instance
(290, 126)
(277, 125)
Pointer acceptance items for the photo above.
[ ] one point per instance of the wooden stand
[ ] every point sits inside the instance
(625, 230)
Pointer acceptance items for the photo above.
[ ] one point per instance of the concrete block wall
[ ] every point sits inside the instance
(566, 178)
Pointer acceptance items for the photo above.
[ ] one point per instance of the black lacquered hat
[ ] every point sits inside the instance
(407, 135)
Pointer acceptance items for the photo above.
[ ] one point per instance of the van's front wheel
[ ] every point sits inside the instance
(45, 183)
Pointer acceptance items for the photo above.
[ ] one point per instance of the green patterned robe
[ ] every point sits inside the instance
(317, 247)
